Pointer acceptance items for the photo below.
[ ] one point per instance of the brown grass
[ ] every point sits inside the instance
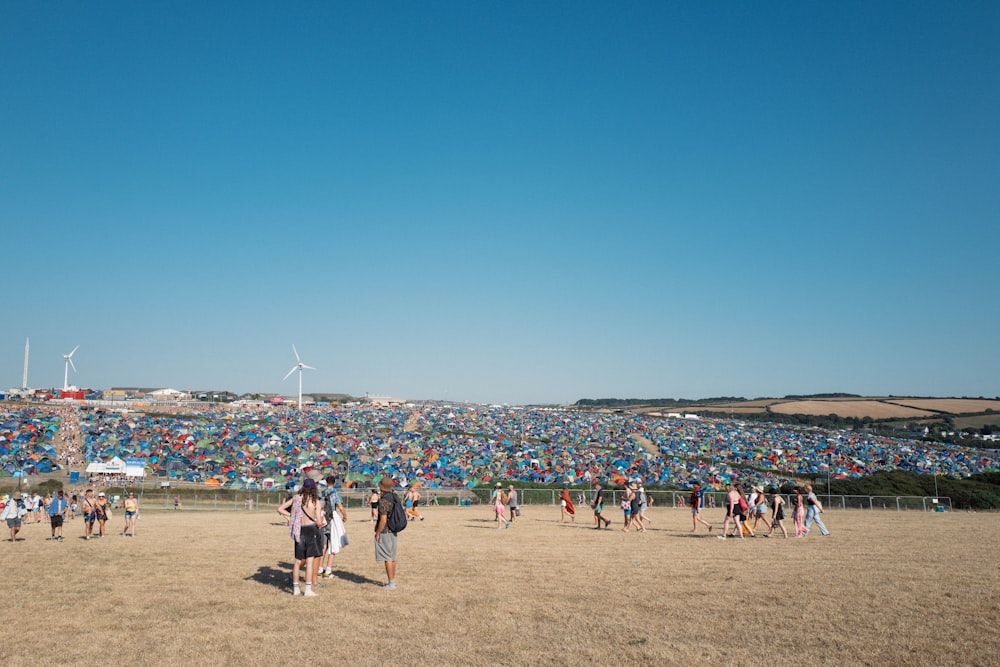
(211, 588)
(873, 409)
(952, 405)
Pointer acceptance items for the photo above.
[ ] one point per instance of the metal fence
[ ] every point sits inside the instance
(261, 500)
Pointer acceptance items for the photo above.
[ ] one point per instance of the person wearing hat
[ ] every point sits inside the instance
(759, 504)
(385, 539)
(12, 513)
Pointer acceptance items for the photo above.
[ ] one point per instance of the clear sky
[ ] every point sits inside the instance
(503, 201)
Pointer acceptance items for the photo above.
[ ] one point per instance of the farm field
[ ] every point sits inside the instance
(950, 405)
(857, 408)
(209, 587)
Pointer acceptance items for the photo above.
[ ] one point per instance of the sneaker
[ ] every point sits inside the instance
(59, 539)
(296, 591)
(310, 594)
(391, 586)
(722, 537)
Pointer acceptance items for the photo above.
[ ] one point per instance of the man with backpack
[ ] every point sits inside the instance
(391, 521)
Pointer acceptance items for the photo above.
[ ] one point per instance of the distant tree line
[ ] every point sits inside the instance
(653, 402)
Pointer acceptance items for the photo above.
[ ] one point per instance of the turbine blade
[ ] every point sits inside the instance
(310, 368)
(70, 360)
(74, 350)
(296, 353)
(294, 368)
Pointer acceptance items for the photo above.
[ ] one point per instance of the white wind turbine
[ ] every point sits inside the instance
(69, 362)
(299, 366)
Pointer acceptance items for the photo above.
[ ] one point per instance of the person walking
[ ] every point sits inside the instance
(88, 506)
(813, 509)
(131, 507)
(799, 512)
(641, 495)
(777, 513)
(303, 512)
(12, 515)
(697, 502)
(410, 505)
(626, 504)
(385, 539)
(732, 512)
(758, 503)
(499, 499)
(102, 508)
(597, 503)
(566, 507)
(57, 509)
(515, 509)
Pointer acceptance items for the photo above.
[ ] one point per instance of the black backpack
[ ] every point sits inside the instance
(328, 508)
(395, 521)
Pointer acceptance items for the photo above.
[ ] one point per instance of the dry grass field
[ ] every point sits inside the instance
(199, 588)
(850, 409)
(951, 405)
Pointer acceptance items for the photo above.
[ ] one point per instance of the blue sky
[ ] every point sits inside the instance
(503, 202)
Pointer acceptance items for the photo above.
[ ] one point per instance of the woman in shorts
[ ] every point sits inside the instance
(131, 511)
(760, 508)
(628, 495)
(101, 506)
(304, 515)
(732, 512)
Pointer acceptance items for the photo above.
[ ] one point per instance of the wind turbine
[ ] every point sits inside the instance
(299, 366)
(69, 362)
(24, 379)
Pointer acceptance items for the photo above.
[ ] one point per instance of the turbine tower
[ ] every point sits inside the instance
(69, 362)
(24, 379)
(299, 366)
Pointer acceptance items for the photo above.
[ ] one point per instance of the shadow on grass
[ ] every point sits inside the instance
(270, 576)
(356, 578)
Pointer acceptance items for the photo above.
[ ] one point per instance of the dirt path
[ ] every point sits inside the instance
(646, 444)
(411, 423)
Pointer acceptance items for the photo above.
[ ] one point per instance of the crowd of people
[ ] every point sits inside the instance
(55, 509)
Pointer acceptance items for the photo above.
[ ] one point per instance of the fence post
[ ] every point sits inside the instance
(923, 501)
(897, 503)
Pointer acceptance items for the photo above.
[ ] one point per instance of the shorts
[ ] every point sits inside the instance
(14, 523)
(308, 545)
(598, 509)
(129, 515)
(761, 509)
(56, 520)
(89, 518)
(695, 511)
(385, 547)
